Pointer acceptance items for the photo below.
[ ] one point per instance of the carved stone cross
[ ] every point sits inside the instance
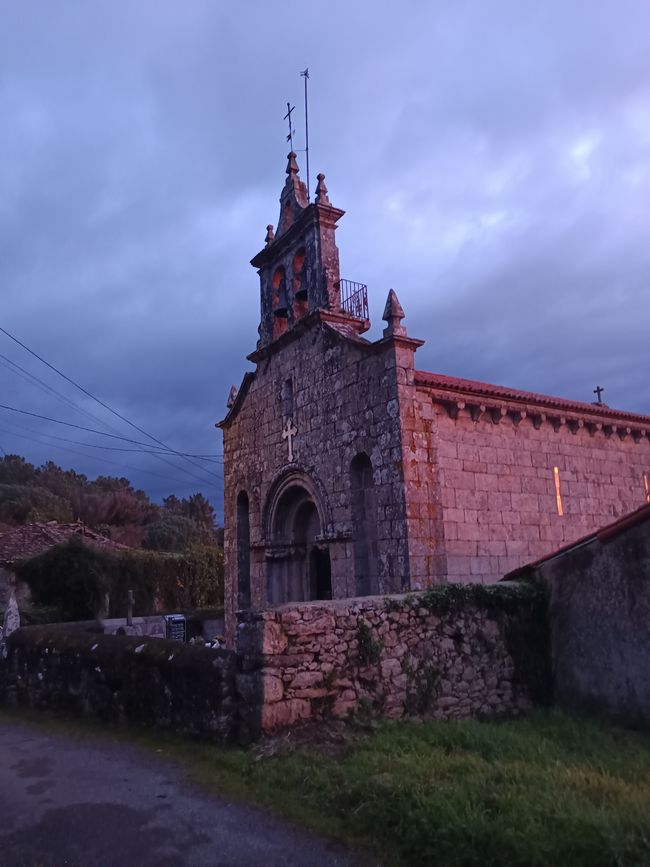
(287, 434)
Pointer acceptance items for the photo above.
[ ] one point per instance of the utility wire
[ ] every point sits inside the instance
(113, 436)
(106, 406)
(145, 451)
(70, 424)
(32, 379)
(171, 482)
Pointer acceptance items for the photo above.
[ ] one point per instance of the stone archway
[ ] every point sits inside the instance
(298, 561)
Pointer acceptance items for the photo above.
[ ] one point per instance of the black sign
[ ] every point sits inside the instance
(176, 627)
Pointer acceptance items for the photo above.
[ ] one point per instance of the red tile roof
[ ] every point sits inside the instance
(603, 535)
(470, 387)
(29, 540)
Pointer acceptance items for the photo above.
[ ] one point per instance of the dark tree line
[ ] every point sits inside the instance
(108, 504)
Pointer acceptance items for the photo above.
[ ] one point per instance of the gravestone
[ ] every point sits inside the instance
(12, 617)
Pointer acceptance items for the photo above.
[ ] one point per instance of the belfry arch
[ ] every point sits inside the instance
(297, 555)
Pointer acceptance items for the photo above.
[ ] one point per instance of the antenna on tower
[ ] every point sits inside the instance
(305, 75)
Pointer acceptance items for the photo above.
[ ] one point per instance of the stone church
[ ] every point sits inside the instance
(349, 472)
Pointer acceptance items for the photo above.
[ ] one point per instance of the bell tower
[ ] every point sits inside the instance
(299, 266)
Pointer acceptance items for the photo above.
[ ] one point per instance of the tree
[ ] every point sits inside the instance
(63, 483)
(200, 510)
(172, 504)
(15, 470)
(20, 504)
(173, 532)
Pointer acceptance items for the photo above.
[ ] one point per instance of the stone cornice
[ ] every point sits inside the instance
(498, 411)
(314, 213)
(472, 393)
(328, 317)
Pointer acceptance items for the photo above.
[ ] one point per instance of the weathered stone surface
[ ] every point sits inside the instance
(273, 689)
(274, 640)
(600, 623)
(284, 714)
(406, 662)
(348, 472)
(163, 684)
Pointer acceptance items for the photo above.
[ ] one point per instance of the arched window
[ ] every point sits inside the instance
(364, 522)
(279, 302)
(299, 285)
(243, 552)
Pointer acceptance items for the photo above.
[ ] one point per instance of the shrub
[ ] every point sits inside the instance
(75, 579)
(71, 577)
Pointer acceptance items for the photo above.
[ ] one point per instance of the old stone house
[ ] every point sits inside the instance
(349, 472)
(30, 540)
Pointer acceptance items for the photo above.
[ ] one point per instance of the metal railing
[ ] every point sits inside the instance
(354, 298)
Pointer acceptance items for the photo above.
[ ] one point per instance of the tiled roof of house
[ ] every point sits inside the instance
(29, 540)
(455, 385)
(638, 516)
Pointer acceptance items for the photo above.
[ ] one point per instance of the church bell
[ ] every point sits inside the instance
(281, 309)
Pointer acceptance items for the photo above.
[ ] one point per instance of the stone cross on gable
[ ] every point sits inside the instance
(288, 433)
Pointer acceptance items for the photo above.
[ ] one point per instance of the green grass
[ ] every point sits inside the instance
(547, 790)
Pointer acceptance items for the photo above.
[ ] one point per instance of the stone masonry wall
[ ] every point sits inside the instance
(497, 486)
(344, 403)
(163, 684)
(599, 617)
(448, 655)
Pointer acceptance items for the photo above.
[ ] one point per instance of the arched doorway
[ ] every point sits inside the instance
(298, 559)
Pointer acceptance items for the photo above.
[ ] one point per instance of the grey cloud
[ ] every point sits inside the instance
(493, 159)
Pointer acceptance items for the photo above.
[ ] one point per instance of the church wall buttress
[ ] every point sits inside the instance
(423, 509)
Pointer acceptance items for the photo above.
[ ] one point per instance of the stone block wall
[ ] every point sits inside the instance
(445, 654)
(496, 485)
(157, 683)
(345, 403)
(600, 622)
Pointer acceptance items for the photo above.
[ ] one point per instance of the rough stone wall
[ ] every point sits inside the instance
(163, 684)
(345, 402)
(497, 487)
(393, 658)
(599, 623)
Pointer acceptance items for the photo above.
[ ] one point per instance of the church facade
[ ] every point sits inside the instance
(349, 472)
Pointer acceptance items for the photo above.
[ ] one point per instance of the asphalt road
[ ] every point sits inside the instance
(70, 802)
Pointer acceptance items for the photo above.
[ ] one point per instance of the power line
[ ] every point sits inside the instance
(160, 457)
(32, 379)
(98, 432)
(101, 433)
(106, 406)
(92, 457)
(143, 451)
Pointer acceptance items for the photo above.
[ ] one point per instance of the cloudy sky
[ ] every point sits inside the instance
(493, 158)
